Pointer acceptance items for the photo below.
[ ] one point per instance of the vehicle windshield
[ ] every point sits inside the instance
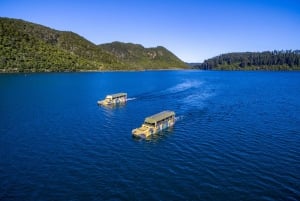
(149, 124)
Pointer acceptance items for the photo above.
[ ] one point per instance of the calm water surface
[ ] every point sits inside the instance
(237, 138)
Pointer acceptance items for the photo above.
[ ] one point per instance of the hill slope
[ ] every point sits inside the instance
(30, 47)
(26, 46)
(275, 60)
(137, 56)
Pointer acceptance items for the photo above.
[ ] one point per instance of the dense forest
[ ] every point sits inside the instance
(136, 55)
(268, 60)
(29, 47)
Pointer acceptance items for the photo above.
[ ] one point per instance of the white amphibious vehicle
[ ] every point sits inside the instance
(113, 99)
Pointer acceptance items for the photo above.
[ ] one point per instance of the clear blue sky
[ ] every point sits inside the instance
(194, 30)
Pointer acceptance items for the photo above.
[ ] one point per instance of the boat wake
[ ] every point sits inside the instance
(188, 84)
(130, 99)
(196, 98)
(179, 88)
(183, 96)
(179, 118)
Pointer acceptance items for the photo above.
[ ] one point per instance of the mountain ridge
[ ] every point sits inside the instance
(267, 60)
(30, 47)
(136, 54)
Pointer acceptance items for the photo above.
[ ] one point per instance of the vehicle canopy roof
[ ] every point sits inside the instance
(159, 117)
(116, 95)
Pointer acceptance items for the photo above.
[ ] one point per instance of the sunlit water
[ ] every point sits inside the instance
(237, 136)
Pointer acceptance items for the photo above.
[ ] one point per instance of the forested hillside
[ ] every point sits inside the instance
(29, 47)
(269, 60)
(137, 56)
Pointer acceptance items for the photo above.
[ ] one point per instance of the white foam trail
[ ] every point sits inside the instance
(197, 99)
(178, 118)
(184, 86)
(130, 99)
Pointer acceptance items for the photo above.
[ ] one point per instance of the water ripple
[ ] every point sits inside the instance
(234, 138)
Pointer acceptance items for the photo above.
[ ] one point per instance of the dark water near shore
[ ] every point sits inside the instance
(238, 137)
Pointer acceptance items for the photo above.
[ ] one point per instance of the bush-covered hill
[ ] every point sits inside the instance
(29, 47)
(269, 60)
(137, 56)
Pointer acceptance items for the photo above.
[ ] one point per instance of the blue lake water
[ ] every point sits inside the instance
(237, 138)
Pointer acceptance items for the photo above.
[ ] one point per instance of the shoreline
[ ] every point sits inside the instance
(145, 70)
(96, 71)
